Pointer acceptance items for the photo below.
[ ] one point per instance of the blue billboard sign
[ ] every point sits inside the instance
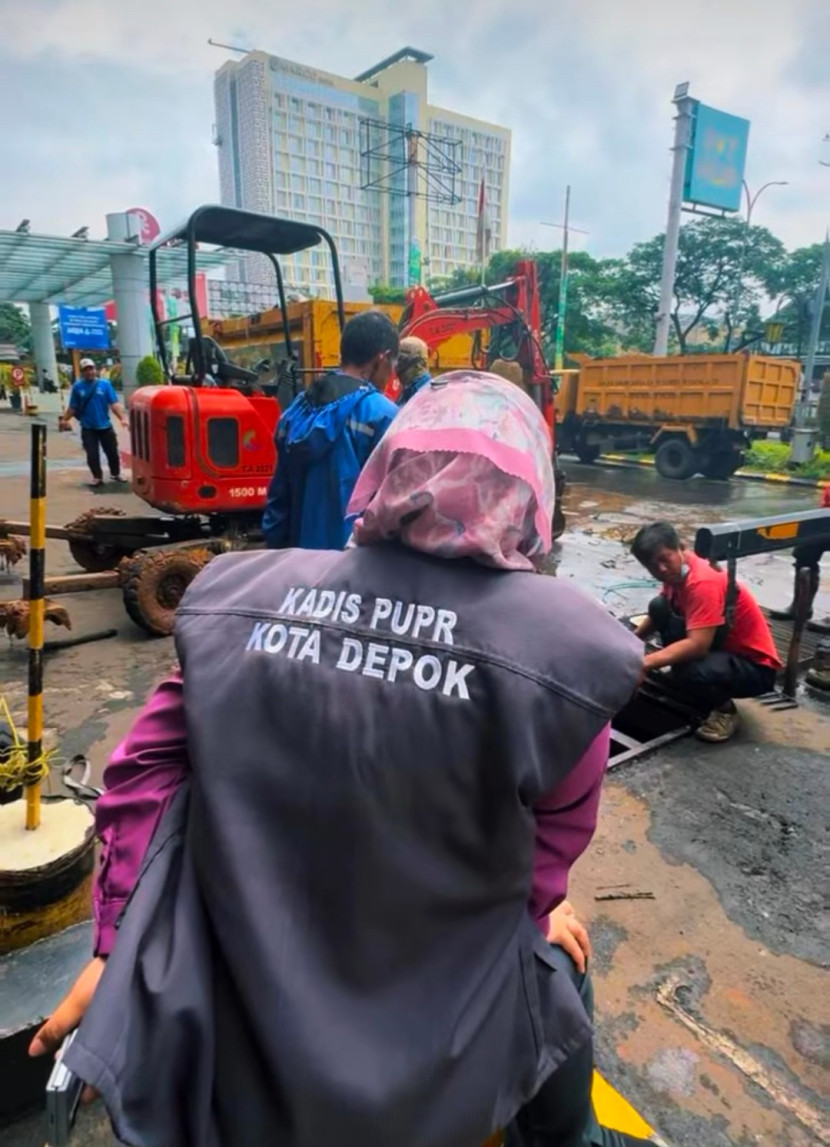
(83, 328)
(717, 158)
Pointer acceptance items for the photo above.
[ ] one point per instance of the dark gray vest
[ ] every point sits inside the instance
(337, 923)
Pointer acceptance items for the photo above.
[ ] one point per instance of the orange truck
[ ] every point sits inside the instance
(696, 413)
(314, 334)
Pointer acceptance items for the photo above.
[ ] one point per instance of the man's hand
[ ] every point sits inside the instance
(567, 932)
(70, 1011)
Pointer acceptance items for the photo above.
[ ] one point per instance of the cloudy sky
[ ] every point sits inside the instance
(108, 104)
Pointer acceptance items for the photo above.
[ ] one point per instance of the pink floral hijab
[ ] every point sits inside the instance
(464, 471)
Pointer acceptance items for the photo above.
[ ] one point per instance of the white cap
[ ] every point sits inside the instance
(85, 362)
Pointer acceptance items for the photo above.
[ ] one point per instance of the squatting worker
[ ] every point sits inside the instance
(326, 435)
(92, 400)
(711, 662)
(413, 367)
(362, 794)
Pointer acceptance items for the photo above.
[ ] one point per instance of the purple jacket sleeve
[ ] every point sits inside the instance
(143, 775)
(565, 822)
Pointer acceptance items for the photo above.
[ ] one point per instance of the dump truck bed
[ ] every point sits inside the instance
(739, 391)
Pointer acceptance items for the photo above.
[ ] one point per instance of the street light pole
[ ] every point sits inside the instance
(559, 341)
(559, 337)
(751, 200)
(682, 142)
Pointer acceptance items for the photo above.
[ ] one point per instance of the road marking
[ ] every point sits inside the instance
(616, 1113)
(748, 1065)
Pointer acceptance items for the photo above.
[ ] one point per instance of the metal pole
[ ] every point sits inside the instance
(750, 203)
(559, 343)
(739, 283)
(37, 570)
(815, 330)
(682, 142)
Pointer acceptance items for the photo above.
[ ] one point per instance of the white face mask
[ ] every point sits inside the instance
(684, 571)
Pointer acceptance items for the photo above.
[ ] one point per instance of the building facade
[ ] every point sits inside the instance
(294, 142)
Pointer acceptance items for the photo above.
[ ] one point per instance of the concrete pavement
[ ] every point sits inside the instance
(711, 996)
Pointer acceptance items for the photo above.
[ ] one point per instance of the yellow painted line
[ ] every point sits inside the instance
(615, 1112)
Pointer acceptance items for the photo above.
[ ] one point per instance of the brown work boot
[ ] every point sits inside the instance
(720, 725)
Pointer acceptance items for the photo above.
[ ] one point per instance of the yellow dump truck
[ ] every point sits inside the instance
(695, 412)
(314, 335)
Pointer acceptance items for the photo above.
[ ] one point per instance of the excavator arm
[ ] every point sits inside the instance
(510, 311)
(510, 308)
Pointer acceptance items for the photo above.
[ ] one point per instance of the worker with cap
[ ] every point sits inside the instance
(413, 367)
(92, 400)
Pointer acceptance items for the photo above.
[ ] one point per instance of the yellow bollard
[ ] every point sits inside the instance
(37, 571)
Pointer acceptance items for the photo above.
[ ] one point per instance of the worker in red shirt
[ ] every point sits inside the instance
(709, 661)
(808, 557)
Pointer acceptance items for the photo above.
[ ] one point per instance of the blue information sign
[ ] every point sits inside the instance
(717, 158)
(83, 328)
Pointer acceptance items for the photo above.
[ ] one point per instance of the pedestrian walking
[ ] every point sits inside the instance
(92, 401)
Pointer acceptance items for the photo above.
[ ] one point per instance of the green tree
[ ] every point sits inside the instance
(714, 257)
(149, 372)
(380, 293)
(793, 285)
(823, 412)
(14, 326)
(588, 328)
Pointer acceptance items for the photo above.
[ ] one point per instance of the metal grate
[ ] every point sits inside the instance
(650, 720)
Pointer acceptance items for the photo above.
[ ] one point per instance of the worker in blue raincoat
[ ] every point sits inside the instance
(326, 435)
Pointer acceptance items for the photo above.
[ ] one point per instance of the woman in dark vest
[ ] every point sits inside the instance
(344, 824)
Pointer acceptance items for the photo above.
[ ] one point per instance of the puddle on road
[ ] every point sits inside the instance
(606, 507)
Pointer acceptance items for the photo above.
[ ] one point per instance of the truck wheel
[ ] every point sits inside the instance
(95, 555)
(153, 583)
(675, 459)
(722, 466)
(587, 453)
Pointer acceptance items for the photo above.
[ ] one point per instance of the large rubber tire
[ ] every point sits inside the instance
(721, 467)
(675, 459)
(153, 583)
(95, 556)
(587, 453)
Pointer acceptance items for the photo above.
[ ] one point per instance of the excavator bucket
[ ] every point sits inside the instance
(15, 617)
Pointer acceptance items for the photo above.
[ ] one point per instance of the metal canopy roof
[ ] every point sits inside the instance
(246, 231)
(52, 269)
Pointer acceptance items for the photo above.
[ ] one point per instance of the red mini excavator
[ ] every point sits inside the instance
(509, 311)
(202, 448)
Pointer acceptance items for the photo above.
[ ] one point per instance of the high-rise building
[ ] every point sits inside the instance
(310, 146)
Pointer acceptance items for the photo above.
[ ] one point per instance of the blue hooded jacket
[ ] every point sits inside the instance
(323, 439)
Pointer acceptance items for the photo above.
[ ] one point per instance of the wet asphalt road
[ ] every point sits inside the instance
(729, 840)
